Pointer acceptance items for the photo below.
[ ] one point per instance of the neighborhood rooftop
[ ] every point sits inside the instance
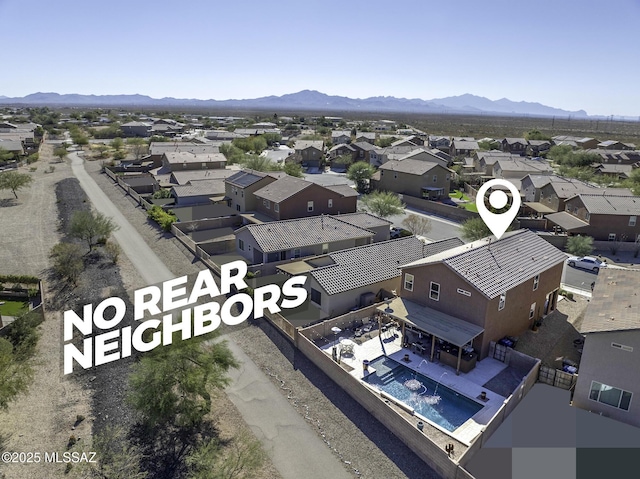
(615, 304)
(611, 205)
(364, 265)
(495, 266)
(363, 220)
(414, 167)
(296, 233)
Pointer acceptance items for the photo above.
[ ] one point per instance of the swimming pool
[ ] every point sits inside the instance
(435, 402)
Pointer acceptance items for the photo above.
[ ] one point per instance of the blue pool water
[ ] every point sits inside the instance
(444, 407)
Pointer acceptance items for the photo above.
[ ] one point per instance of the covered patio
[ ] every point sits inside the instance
(432, 192)
(432, 332)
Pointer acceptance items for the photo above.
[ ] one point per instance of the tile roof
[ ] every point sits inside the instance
(283, 188)
(615, 303)
(363, 220)
(344, 190)
(410, 166)
(304, 144)
(465, 145)
(567, 221)
(363, 145)
(512, 141)
(160, 147)
(300, 232)
(495, 266)
(369, 264)
(611, 205)
(523, 165)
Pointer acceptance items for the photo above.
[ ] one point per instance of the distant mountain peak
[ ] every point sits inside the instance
(309, 100)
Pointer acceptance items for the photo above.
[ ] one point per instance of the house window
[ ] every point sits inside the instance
(632, 220)
(325, 248)
(503, 300)
(536, 281)
(408, 282)
(434, 291)
(532, 311)
(296, 253)
(587, 216)
(204, 166)
(435, 178)
(330, 203)
(242, 193)
(610, 396)
(238, 207)
(309, 206)
(622, 346)
(395, 175)
(448, 177)
(612, 236)
(266, 204)
(276, 207)
(241, 244)
(316, 297)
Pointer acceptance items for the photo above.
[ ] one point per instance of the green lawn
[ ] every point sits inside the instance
(459, 195)
(13, 308)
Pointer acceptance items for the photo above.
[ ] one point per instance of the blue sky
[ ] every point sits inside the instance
(567, 54)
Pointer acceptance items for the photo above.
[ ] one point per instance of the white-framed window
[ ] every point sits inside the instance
(532, 311)
(536, 281)
(618, 398)
(408, 282)
(612, 236)
(434, 291)
(502, 302)
(276, 207)
(309, 206)
(632, 220)
(622, 347)
(330, 203)
(241, 244)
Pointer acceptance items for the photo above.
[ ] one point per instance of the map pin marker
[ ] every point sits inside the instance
(498, 223)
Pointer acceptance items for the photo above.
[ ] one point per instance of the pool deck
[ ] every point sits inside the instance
(469, 384)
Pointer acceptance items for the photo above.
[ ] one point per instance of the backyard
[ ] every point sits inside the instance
(463, 200)
(13, 308)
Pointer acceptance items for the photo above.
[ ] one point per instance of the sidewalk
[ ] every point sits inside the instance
(295, 449)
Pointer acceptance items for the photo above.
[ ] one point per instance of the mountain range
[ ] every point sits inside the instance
(308, 100)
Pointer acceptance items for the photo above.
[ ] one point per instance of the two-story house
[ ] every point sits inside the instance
(239, 188)
(609, 375)
(516, 146)
(481, 291)
(309, 153)
(421, 179)
(340, 137)
(291, 197)
(184, 160)
(604, 217)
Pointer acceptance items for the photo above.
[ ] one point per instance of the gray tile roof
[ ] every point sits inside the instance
(512, 141)
(523, 165)
(611, 205)
(410, 166)
(615, 304)
(300, 232)
(496, 266)
(160, 147)
(465, 145)
(304, 144)
(363, 145)
(363, 220)
(369, 264)
(538, 181)
(282, 188)
(344, 190)
(179, 157)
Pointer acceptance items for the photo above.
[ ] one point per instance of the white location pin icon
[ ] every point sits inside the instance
(498, 223)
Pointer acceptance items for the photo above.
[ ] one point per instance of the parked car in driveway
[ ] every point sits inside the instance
(586, 262)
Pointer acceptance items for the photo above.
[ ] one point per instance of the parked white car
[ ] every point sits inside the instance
(586, 262)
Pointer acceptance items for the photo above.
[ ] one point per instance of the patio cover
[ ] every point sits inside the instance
(453, 330)
(295, 268)
(566, 221)
(538, 207)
